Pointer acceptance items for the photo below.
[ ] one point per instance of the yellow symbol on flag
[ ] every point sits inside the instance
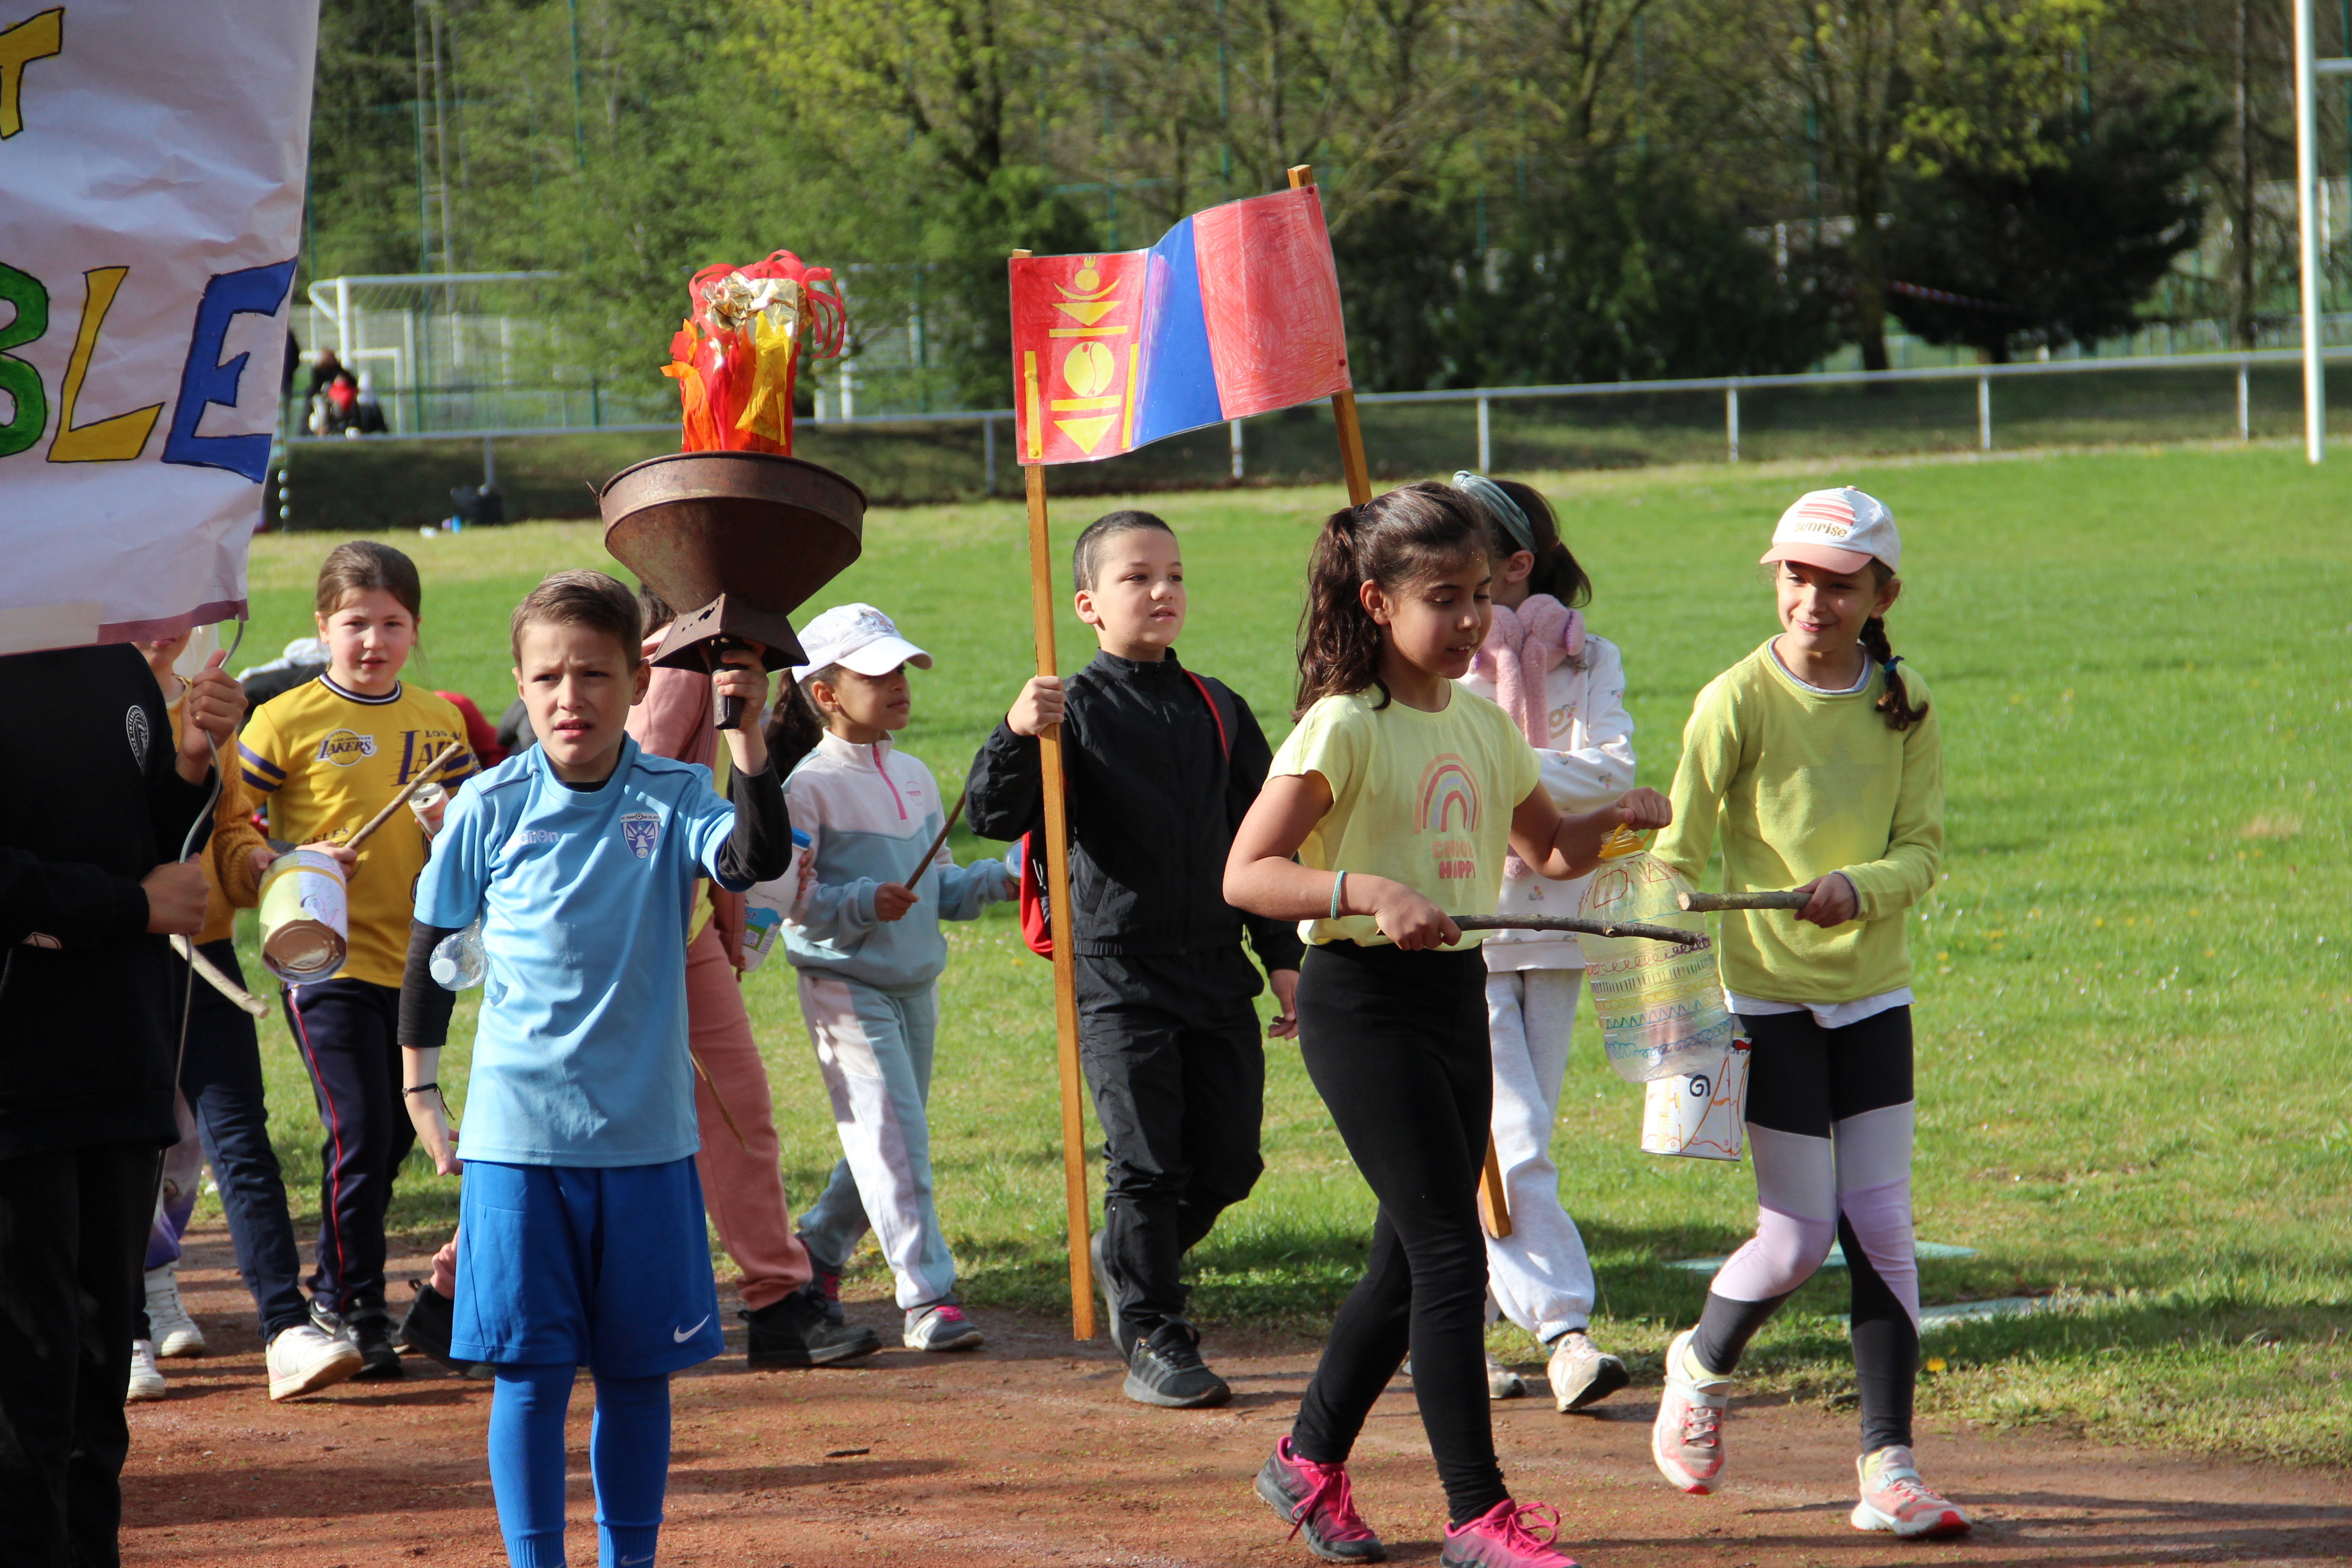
(1088, 369)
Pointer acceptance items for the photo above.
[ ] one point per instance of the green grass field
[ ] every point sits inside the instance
(2134, 989)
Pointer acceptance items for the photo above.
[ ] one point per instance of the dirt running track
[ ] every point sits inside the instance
(1025, 1453)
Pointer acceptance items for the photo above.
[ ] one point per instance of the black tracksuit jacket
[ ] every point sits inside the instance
(1153, 800)
(90, 801)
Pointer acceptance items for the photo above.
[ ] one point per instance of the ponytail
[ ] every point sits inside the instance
(793, 728)
(1556, 572)
(1390, 539)
(1896, 700)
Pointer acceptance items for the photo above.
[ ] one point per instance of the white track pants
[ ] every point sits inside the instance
(874, 1048)
(1539, 1276)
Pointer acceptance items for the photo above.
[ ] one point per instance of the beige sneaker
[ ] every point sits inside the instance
(1686, 1439)
(146, 1377)
(176, 1334)
(305, 1359)
(1895, 1500)
(1581, 1374)
(1502, 1383)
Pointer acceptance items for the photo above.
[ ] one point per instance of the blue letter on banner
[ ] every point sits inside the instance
(256, 292)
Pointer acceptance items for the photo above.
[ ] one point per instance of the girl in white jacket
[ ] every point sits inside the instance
(1566, 690)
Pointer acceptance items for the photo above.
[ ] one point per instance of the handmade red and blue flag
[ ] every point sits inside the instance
(1234, 313)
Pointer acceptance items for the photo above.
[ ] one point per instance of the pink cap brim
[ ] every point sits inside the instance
(1822, 555)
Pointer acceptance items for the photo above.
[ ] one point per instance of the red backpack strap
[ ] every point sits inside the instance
(1225, 741)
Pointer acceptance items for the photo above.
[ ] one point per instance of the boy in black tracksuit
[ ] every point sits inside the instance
(1161, 765)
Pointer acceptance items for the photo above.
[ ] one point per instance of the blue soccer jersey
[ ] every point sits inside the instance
(585, 896)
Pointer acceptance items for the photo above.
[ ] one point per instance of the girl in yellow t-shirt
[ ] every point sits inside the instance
(326, 756)
(1399, 793)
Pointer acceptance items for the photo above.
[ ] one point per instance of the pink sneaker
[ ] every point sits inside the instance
(1505, 1536)
(1319, 1503)
(1686, 1439)
(1894, 1500)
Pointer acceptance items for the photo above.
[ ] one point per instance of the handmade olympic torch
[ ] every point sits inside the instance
(732, 530)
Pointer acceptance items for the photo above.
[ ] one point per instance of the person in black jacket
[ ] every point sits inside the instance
(95, 804)
(1161, 765)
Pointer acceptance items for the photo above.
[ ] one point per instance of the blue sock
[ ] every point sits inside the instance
(628, 1452)
(527, 1462)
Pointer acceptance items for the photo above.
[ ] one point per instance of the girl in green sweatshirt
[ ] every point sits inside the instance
(1819, 767)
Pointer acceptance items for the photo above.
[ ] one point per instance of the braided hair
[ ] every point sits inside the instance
(1894, 702)
(1409, 533)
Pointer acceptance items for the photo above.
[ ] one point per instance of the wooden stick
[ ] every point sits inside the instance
(933, 852)
(1642, 928)
(1343, 406)
(410, 788)
(719, 1100)
(1494, 1208)
(219, 981)
(1057, 892)
(1707, 903)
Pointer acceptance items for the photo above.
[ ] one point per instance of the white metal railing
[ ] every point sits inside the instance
(1729, 387)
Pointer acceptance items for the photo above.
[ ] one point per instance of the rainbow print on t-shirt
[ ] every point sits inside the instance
(1449, 809)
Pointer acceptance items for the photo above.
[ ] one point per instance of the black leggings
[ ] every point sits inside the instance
(1396, 1043)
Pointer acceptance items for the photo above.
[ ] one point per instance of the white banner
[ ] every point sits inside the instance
(151, 155)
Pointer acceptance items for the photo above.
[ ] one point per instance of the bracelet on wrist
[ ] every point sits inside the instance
(1338, 889)
(420, 1089)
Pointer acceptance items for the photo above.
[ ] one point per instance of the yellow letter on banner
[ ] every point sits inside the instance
(34, 39)
(115, 440)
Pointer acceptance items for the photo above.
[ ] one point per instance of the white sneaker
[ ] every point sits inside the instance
(941, 1326)
(146, 1377)
(1894, 1500)
(305, 1359)
(1581, 1373)
(1502, 1383)
(176, 1334)
(1686, 1439)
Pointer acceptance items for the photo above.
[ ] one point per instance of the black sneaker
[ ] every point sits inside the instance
(1119, 1335)
(427, 1328)
(370, 1329)
(797, 1331)
(1166, 1370)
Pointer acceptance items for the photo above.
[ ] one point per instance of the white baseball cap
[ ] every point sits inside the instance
(859, 638)
(1842, 529)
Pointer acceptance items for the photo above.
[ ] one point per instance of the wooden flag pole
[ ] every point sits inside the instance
(1343, 410)
(1057, 895)
(1494, 1207)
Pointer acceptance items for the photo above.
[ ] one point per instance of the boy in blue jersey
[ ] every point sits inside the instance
(580, 1239)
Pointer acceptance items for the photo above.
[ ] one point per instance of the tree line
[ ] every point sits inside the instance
(1518, 190)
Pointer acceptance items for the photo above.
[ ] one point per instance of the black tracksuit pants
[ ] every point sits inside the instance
(73, 1233)
(1172, 1051)
(1396, 1045)
(348, 1031)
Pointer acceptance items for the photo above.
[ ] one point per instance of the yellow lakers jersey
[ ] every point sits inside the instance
(326, 760)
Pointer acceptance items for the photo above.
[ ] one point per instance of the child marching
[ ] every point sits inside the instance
(326, 756)
(863, 936)
(1565, 689)
(1399, 796)
(1818, 765)
(1163, 763)
(581, 1238)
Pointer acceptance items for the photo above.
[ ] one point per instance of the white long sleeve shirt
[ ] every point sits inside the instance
(1589, 764)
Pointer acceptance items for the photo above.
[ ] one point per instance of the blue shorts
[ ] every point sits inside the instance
(566, 1266)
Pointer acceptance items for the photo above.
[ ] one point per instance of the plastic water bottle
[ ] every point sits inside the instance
(459, 963)
(1661, 1005)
